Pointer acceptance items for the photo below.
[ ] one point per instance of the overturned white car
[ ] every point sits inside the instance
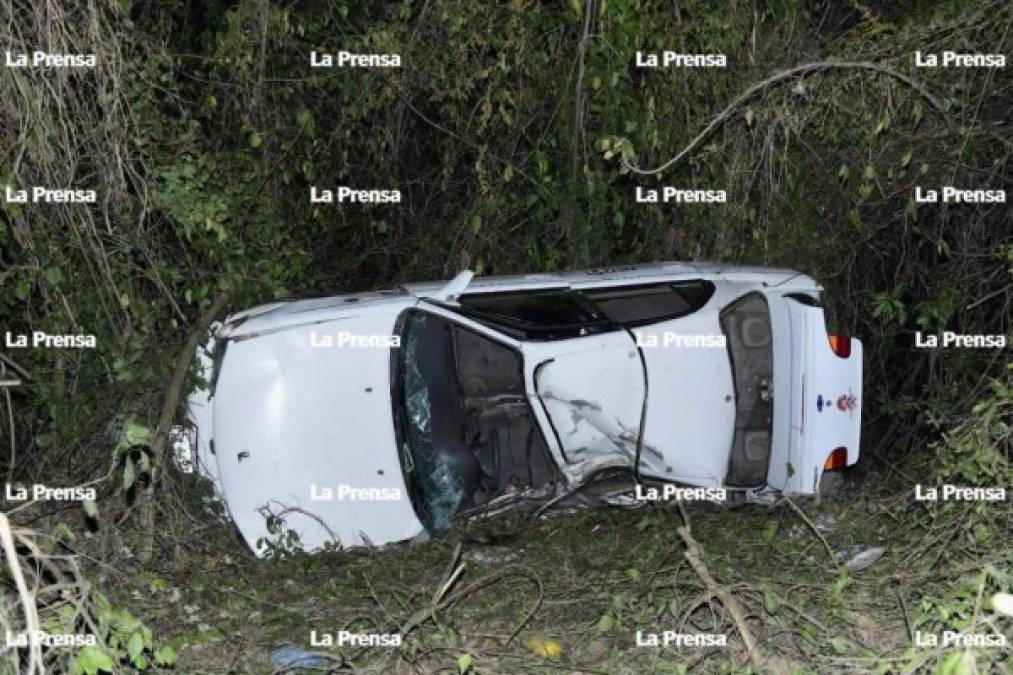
(379, 417)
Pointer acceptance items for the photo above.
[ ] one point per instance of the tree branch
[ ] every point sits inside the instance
(798, 71)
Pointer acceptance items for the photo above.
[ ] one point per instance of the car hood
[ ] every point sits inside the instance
(283, 315)
(304, 431)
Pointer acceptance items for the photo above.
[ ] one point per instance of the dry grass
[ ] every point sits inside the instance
(557, 577)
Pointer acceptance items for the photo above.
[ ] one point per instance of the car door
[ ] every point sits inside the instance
(690, 408)
(469, 438)
(583, 374)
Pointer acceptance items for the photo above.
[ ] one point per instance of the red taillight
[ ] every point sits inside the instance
(838, 459)
(841, 344)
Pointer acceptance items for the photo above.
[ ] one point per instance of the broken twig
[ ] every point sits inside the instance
(735, 610)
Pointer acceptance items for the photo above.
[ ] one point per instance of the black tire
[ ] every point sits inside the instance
(831, 485)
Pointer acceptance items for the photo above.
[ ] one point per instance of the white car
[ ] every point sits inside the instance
(379, 417)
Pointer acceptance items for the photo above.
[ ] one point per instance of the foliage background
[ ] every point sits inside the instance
(203, 127)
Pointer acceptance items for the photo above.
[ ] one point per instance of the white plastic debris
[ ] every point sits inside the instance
(1003, 603)
(865, 559)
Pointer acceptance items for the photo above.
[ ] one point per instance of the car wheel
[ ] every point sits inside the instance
(831, 485)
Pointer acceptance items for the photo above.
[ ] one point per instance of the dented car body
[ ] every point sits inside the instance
(381, 417)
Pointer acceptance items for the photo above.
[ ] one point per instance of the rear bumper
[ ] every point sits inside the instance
(819, 398)
(834, 412)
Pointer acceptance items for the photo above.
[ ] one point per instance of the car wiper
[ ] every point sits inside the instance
(409, 459)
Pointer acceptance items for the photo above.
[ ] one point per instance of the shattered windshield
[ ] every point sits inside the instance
(465, 427)
(435, 435)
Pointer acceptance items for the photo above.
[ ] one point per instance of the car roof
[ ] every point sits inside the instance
(621, 274)
(286, 314)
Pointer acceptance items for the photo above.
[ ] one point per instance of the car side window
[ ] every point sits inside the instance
(535, 315)
(805, 299)
(638, 305)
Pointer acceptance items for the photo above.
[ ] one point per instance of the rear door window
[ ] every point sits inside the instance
(805, 299)
(638, 305)
(535, 315)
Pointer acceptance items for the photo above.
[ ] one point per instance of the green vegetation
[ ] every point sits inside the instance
(511, 130)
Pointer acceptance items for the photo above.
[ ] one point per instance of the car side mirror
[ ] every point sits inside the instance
(455, 287)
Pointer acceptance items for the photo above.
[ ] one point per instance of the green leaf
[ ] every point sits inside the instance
(144, 463)
(476, 223)
(90, 509)
(129, 474)
(465, 664)
(91, 660)
(127, 622)
(606, 623)
(771, 601)
(126, 5)
(165, 656)
(54, 275)
(23, 289)
(884, 124)
(839, 645)
(63, 530)
(305, 119)
(135, 645)
(855, 219)
(135, 434)
(955, 664)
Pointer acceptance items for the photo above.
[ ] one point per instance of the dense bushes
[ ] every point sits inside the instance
(203, 128)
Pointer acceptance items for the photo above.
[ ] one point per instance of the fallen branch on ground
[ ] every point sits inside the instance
(441, 600)
(819, 535)
(728, 600)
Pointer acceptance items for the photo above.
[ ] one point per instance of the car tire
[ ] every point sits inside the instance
(831, 485)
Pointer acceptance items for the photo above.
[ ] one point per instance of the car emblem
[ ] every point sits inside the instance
(847, 402)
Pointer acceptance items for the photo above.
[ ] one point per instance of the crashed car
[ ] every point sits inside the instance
(381, 417)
